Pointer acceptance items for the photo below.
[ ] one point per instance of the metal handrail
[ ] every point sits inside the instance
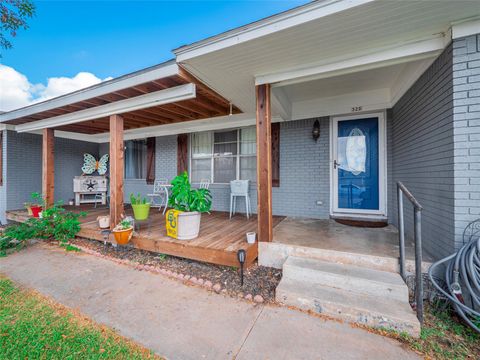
(417, 230)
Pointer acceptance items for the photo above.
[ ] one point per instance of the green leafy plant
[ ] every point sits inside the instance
(184, 198)
(125, 224)
(138, 200)
(56, 223)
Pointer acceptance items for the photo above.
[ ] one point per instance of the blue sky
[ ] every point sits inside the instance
(111, 38)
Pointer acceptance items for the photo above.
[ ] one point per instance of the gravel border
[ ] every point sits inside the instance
(259, 285)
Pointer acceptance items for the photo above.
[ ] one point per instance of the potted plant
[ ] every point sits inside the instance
(140, 206)
(123, 232)
(187, 207)
(36, 208)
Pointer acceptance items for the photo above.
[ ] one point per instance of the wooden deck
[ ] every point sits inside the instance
(220, 237)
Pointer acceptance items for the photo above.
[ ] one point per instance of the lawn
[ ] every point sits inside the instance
(443, 336)
(34, 327)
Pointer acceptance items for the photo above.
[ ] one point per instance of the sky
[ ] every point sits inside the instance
(74, 44)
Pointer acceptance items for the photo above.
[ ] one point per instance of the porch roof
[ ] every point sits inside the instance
(161, 94)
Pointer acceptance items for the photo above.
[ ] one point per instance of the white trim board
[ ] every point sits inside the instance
(140, 77)
(166, 96)
(466, 28)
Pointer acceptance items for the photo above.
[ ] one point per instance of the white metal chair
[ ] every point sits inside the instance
(204, 184)
(159, 197)
(240, 188)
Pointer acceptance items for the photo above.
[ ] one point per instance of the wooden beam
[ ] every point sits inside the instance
(116, 169)
(264, 163)
(48, 170)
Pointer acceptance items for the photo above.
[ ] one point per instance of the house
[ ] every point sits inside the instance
(390, 89)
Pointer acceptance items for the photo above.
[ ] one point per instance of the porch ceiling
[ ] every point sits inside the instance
(322, 37)
(203, 103)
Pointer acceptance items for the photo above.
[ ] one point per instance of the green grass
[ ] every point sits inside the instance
(444, 336)
(34, 327)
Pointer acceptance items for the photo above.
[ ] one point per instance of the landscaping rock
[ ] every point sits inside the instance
(258, 299)
(217, 287)
(258, 280)
(248, 297)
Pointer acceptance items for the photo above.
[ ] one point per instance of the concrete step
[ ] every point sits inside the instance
(273, 254)
(348, 306)
(352, 278)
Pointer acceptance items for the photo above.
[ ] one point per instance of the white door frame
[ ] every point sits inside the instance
(382, 167)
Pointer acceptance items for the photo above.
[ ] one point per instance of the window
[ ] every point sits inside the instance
(136, 159)
(224, 155)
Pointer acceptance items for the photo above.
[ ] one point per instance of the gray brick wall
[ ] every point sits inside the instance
(466, 128)
(304, 170)
(165, 165)
(24, 166)
(422, 154)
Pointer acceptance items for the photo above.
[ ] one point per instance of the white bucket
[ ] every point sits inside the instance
(103, 222)
(251, 237)
(188, 226)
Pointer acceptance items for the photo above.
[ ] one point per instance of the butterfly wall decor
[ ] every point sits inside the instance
(90, 164)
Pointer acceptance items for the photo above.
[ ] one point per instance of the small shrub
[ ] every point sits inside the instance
(56, 223)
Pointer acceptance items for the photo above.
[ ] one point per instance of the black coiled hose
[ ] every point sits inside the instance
(462, 278)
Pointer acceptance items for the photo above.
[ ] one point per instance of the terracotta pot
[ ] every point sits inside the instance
(122, 237)
(36, 210)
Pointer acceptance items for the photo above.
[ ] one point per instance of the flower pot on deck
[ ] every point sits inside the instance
(36, 210)
(251, 237)
(183, 225)
(122, 236)
(141, 211)
(103, 222)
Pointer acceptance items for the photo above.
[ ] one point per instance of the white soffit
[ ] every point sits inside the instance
(161, 97)
(360, 31)
(385, 57)
(106, 87)
(297, 16)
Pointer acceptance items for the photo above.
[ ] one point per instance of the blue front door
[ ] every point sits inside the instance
(357, 164)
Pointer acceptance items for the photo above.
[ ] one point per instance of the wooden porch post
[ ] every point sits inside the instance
(116, 169)
(48, 170)
(264, 163)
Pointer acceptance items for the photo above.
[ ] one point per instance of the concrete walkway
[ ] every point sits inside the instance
(182, 322)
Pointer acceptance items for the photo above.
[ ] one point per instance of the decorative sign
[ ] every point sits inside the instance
(90, 164)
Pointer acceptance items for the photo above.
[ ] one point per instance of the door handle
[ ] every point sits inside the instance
(335, 164)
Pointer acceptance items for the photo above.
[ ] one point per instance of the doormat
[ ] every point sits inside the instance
(362, 223)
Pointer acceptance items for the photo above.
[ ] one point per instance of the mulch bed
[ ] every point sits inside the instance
(258, 280)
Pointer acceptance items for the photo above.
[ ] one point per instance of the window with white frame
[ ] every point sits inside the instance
(136, 159)
(222, 156)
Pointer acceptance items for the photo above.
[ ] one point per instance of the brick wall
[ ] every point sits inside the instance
(466, 100)
(304, 170)
(24, 166)
(165, 165)
(422, 154)
(304, 174)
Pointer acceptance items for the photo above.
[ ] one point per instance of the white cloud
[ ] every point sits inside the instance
(17, 91)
